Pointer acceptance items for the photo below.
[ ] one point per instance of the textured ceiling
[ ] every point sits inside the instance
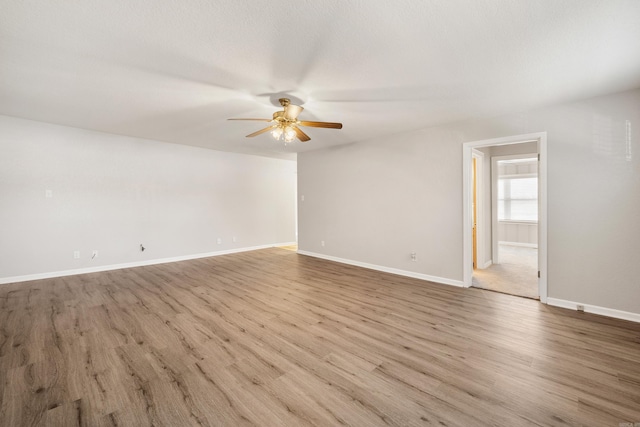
(175, 71)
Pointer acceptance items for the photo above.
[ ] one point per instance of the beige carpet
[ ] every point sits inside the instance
(517, 273)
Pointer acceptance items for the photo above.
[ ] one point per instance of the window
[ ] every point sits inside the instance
(517, 196)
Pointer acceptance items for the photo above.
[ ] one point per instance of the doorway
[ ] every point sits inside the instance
(514, 199)
(502, 245)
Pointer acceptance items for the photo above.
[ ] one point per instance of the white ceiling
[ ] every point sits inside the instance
(176, 70)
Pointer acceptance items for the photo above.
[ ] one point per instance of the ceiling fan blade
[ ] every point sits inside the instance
(321, 124)
(260, 131)
(260, 120)
(301, 135)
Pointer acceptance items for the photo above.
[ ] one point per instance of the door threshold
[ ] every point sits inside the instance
(506, 293)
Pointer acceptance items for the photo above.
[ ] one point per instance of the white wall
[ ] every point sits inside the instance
(376, 201)
(518, 233)
(487, 220)
(112, 193)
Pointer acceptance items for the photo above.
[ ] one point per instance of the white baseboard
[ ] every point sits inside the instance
(603, 311)
(399, 272)
(52, 274)
(524, 245)
(487, 264)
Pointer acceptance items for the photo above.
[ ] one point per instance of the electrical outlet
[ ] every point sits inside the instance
(580, 307)
(234, 238)
(219, 241)
(48, 194)
(322, 243)
(76, 254)
(414, 256)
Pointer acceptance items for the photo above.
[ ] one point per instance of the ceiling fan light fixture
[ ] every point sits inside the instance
(285, 124)
(276, 133)
(289, 134)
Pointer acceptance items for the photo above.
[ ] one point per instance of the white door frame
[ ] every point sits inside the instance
(480, 230)
(467, 200)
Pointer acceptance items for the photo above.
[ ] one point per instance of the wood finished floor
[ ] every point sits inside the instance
(274, 338)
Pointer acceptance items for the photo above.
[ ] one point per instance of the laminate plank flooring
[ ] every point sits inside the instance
(273, 338)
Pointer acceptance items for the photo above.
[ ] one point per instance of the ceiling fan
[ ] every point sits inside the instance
(285, 123)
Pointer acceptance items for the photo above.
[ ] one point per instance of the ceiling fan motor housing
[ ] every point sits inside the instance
(291, 111)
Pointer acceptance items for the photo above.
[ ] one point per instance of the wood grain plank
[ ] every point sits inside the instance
(271, 337)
